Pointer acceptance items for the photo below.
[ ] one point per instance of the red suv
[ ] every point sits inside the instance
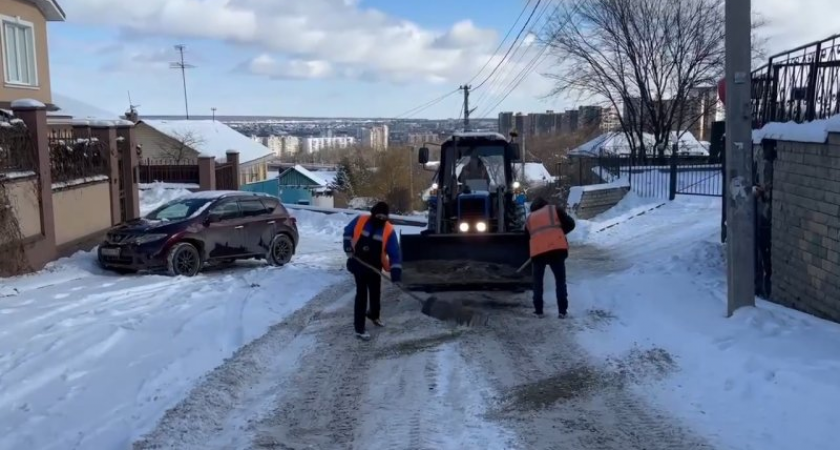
(203, 228)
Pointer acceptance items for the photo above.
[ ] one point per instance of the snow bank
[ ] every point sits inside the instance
(332, 225)
(154, 195)
(631, 206)
(774, 365)
(92, 360)
(815, 131)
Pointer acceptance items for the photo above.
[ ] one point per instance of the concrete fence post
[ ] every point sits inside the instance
(34, 116)
(107, 136)
(206, 173)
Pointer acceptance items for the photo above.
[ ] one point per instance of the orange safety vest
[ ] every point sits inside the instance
(546, 232)
(360, 231)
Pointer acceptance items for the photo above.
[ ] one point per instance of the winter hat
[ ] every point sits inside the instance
(538, 203)
(379, 208)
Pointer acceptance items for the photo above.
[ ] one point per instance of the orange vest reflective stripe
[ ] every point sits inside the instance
(360, 231)
(546, 232)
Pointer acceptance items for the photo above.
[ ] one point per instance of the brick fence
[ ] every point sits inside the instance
(805, 226)
(80, 181)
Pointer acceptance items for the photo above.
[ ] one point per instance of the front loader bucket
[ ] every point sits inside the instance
(465, 262)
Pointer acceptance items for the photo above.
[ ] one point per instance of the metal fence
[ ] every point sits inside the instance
(169, 171)
(652, 178)
(76, 156)
(798, 85)
(17, 150)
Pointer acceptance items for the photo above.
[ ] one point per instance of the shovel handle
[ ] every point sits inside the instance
(385, 276)
(523, 266)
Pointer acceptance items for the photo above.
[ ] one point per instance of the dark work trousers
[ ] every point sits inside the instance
(557, 262)
(368, 286)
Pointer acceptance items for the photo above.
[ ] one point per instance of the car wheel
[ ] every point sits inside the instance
(280, 251)
(183, 259)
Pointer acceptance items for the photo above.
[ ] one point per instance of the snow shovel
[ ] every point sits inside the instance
(434, 307)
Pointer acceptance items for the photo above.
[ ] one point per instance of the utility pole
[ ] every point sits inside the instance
(214, 113)
(740, 210)
(466, 88)
(183, 66)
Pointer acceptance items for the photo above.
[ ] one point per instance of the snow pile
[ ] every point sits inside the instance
(155, 195)
(630, 207)
(664, 289)
(815, 131)
(320, 224)
(92, 360)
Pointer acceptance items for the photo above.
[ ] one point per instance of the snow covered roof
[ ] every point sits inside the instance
(70, 107)
(533, 173)
(815, 131)
(214, 138)
(323, 178)
(616, 143)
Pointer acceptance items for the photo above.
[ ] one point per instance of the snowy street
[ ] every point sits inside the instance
(258, 358)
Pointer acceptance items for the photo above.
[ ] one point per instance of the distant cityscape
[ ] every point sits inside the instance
(287, 137)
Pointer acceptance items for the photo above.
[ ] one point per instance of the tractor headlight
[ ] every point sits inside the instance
(464, 227)
(516, 185)
(481, 227)
(434, 186)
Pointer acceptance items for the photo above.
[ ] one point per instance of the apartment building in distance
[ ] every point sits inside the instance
(316, 144)
(420, 139)
(375, 137)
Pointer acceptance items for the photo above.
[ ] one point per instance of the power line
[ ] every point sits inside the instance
(522, 30)
(502, 43)
(538, 59)
(498, 81)
(425, 106)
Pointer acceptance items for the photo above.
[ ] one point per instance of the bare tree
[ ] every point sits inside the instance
(645, 57)
(181, 147)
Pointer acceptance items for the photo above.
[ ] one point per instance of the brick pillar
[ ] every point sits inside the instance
(34, 115)
(131, 166)
(233, 158)
(206, 173)
(107, 136)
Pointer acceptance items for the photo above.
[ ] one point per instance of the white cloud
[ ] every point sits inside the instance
(794, 23)
(339, 33)
(290, 69)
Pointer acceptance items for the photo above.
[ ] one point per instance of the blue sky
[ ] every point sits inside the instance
(362, 58)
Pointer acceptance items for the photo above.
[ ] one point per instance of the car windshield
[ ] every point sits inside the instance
(179, 209)
(482, 163)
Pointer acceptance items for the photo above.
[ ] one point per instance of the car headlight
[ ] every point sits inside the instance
(146, 238)
(481, 227)
(464, 227)
(516, 185)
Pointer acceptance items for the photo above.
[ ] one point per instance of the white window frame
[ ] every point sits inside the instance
(17, 21)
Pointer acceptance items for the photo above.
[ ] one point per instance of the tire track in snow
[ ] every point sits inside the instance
(253, 376)
(405, 389)
(553, 395)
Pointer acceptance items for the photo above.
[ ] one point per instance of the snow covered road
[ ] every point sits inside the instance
(260, 358)
(91, 360)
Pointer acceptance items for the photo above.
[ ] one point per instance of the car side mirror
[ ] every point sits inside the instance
(213, 218)
(423, 155)
(515, 152)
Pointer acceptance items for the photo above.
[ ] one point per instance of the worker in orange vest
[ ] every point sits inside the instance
(547, 227)
(372, 239)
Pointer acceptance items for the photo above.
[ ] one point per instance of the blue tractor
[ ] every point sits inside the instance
(475, 220)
